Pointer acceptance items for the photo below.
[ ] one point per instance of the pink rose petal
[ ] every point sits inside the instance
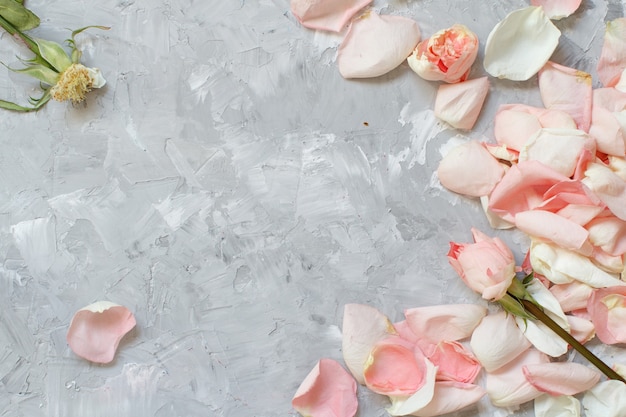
(96, 330)
(454, 362)
(572, 296)
(363, 327)
(460, 104)
(449, 397)
(567, 89)
(581, 329)
(327, 391)
(608, 233)
(376, 44)
(557, 9)
(332, 15)
(607, 307)
(609, 187)
(613, 56)
(444, 322)
(549, 226)
(561, 378)
(470, 169)
(514, 127)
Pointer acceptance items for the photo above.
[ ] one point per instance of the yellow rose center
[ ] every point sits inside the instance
(74, 83)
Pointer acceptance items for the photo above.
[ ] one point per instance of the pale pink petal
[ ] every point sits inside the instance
(460, 104)
(520, 45)
(559, 230)
(444, 322)
(562, 266)
(502, 152)
(449, 397)
(96, 330)
(557, 9)
(607, 307)
(469, 169)
(363, 327)
(609, 187)
(613, 56)
(581, 329)
(455, 362)
(376, 44)
(405, 332)
(606, 399)
(607, 131)
(609, 98)
(495, 352)
(395, 367)
(332, 15)
(572, 296)
(556, 119)
(446, 56)
(618, 165)
(327, 391)
(540, 335)
(572, 200)
(508, 387)
(403, 405)
(559, 149)
(561, 406)
(522, 188)
(561, 378)
(495, 221)
(567, 89)
(610, 263)
(608, 233)
(514, 127)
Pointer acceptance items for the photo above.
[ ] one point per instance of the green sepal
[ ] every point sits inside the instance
(513, 306)
(39, 72)
(76, 53)
(54, 54)
(37, 104)
(17, 15)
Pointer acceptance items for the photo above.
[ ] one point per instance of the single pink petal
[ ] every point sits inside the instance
(409, 405)
(557, 9)
(610, 263)
(376, 44)
(522, 188)
(451, 396)
(508, 387)
(495, 352)
(327, 391)
(556, 119)
(460, 104)
(567, 89)
(549, 226)
(561, 378)
(607, 131)
(513, 127)
(607, 307)
(469, 169)
(96, 330)
(454, 362)
(446, 56)
(444, 322)
(613, 56)
(405, 332)
(582, 329)
(608, 233)
(395, 367)
(332, 15)
(572, 296)
(363, 327)
(609, 187)
(609, 98)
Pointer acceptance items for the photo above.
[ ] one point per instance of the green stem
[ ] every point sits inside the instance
(545, 319)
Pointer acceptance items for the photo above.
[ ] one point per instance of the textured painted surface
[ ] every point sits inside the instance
(231, 189)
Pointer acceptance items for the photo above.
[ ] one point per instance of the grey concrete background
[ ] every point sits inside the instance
(232, 190)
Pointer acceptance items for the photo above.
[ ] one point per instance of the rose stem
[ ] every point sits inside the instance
(545, 319)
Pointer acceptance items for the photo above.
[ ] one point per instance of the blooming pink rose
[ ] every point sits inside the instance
(486, 266)
(446, 56)
(607, 307)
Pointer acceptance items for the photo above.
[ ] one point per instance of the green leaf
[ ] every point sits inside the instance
(40, 72)
(17, 15)
(54, 54)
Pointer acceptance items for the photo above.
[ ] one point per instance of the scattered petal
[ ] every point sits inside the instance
(454, 361)
(327, 391)
(613, 56)
(495, 352)
(444, 322)
(561, 378)
(582, 329)
(609, 234)
(446, 56)
(607, 307)
(459, 104)
(561, 406)
(363, 327)
(572, 296)
(332, 15)
(557, 229)
(449, 397)
(376, 44)
(401, 406)
(469, 169)
(557, 9)
(96, 330)
(606, 399)
(609, 187)
(521, 44)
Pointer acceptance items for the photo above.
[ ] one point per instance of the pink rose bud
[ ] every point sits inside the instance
(486, 266)
(446, 56)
